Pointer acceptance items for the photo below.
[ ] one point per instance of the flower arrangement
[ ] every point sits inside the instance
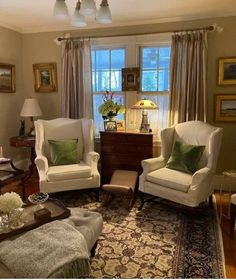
(110, 108)
(10, 201)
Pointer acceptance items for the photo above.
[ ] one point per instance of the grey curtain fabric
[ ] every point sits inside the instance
(188, 77)
(77, 99)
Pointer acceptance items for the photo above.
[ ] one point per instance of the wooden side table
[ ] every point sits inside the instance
(12, 176)
(26, 142)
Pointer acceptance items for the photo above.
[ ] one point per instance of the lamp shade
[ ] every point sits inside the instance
(145, 104)
(60, 9)
(30, 108)
(78, 19)
(88, 7)
(104, 13)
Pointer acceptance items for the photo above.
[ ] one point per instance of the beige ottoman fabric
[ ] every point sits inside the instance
(86, 222)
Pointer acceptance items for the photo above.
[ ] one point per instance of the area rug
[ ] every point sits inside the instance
(164, 240)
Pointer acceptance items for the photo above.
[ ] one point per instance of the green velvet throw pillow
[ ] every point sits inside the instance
(64, 152)
(185, 157)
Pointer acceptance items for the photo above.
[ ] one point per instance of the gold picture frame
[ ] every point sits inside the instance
(120, 125)
(45, 77)
(131, 79)
(7, 78)
(227, 71)
(225, 108)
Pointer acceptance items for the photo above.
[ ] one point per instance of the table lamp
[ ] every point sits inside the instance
(31, 109)
(144, 105)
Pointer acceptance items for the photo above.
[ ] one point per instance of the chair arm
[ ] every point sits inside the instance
(41, 163)
(92, 158)
(201, 175)
(152, 164)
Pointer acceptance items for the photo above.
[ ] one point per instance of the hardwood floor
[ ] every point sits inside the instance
(229, 244)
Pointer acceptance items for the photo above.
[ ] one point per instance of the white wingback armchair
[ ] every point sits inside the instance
(180, 187)
(83, 175)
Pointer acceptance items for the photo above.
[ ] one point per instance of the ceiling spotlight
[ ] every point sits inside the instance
(88, 7)
(104, 13)
(60, 9)
(78, 20)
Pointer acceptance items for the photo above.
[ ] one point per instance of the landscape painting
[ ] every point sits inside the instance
(225, 107)
(7, 77)
(227, 71)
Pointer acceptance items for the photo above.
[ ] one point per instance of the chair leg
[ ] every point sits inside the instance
(211, 201)
(232, 219)
(93, 250)
(97, 194)
(142, 201)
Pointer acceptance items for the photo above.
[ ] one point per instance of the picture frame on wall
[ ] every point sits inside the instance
(7, 78)
(225, 108)
(131, 79)
(45, 77)
(227, 71)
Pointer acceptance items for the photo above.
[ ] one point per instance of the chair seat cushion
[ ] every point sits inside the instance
(170, 178)
(69, 172)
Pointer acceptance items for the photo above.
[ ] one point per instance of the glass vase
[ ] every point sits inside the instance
(15, 221)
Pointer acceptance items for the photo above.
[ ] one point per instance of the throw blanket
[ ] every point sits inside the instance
(54, 250)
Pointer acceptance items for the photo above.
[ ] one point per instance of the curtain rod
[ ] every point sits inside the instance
(210, 28)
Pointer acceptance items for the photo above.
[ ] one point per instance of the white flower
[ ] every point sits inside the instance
(10, 201)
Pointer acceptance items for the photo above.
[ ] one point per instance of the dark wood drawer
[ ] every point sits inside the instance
(124, 150)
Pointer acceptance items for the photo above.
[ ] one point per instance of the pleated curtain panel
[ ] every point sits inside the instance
(188, 77)
(77, 101)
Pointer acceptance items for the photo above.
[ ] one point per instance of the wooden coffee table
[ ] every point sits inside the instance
(57, 209)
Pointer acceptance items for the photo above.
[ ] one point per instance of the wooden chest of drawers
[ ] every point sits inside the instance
(124, 150)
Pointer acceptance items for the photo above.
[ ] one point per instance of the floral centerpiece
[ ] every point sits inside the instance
(9, 202)
(109, 108)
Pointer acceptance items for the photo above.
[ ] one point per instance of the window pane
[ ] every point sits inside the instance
(116, 80)
(93, 60)
(163, 80)
(102, 59)
(117, 59)
(149, 58)
(149, 81)
(102, 80)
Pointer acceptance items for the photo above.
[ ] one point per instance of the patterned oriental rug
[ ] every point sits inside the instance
(163, 240)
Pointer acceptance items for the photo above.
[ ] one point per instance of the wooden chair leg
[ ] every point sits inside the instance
(232, 219)
(93, 250)
(142, 201)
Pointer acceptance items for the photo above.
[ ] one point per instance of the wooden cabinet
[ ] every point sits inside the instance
(123, 150)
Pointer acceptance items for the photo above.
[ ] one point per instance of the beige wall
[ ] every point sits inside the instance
(41, 48)
(10, 103)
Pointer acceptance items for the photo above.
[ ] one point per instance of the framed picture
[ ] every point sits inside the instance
(110, 126)
(131, 79)
(120, 125)
(45, 77)
(7, 78)
(225, 109)
(227, 71)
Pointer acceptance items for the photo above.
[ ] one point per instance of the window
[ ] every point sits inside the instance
(155, 64)
(106, 75)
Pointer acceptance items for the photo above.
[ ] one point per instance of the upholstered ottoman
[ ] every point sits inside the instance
(88, 223)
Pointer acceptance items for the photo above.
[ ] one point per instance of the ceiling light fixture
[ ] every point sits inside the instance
(84, 8)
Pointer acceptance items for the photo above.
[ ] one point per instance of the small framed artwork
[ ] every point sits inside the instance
(120, 125)
(131, 79)
(45, 77)
(225, 109)
(110, 126)
(227, 71)
(7, 77)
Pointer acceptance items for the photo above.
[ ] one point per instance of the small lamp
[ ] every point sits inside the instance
(144, 105)
(31, 109)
